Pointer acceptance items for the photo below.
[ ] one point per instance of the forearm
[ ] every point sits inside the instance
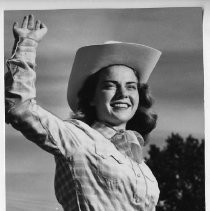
(20, 78)
(25, 50)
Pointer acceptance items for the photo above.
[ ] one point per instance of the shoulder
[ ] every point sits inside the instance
(83, 127)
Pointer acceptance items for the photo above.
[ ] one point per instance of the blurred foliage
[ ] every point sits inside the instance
(179, 169)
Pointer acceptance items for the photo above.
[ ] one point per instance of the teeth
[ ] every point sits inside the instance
(119, 105)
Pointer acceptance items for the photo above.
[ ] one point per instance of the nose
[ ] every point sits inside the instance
(122, 92)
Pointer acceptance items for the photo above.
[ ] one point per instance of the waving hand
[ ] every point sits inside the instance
(30, 29)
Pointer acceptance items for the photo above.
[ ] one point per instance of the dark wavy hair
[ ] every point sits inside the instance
(144, 120)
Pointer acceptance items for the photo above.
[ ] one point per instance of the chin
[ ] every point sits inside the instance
(121, 120)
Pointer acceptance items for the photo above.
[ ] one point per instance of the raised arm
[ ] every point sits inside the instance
(21, 110)
(20, 78)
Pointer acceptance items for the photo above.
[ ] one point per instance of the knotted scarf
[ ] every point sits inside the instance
(124, 141)
(128, 142)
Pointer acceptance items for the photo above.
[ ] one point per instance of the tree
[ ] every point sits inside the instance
(179, 169)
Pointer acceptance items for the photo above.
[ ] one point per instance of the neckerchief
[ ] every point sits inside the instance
(128, 142)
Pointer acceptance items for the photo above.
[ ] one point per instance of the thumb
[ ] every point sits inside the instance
(15, 25)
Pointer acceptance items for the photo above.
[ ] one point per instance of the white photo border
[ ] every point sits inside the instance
(87, 4)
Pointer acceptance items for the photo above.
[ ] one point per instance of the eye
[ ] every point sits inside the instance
(132, 87)
(108, 85)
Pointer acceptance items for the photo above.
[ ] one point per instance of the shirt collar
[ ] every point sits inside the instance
(108, 132)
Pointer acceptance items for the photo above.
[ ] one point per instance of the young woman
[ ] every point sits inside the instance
(98, 155)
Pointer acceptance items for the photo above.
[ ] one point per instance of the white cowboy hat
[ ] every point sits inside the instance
(90, 59)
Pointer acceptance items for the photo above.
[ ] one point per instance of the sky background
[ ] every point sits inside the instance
(176, 83)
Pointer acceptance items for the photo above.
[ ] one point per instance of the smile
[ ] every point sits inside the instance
(120, 105)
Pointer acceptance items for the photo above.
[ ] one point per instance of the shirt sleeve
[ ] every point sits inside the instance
(21, 110)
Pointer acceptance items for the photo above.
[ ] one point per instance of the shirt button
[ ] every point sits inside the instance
(147, 202)
(138, 175)
(121, 131)
(102, 156)
(137, 199)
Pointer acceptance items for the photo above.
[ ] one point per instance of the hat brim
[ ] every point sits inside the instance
(90, 59)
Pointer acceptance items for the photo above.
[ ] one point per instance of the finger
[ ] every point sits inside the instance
(31, 22)
(37, 26)
(15, 25)
(25, 22)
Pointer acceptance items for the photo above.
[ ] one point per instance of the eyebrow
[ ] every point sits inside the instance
(115, 82)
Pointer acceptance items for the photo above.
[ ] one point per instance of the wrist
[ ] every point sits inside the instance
(25, 49)
(27, 41)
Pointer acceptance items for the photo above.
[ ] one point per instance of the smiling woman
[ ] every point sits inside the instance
(116, 96)
(99, 163)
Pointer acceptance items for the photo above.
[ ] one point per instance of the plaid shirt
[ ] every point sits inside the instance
(92, 173)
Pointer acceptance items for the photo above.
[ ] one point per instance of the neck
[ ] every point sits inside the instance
(116, 127)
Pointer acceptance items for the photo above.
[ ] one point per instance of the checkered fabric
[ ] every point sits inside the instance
(92, 173)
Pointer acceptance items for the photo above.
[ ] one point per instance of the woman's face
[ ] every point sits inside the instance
(116, 97)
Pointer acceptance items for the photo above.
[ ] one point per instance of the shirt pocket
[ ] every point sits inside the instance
(110, 168)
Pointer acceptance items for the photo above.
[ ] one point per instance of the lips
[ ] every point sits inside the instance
(123, 105)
